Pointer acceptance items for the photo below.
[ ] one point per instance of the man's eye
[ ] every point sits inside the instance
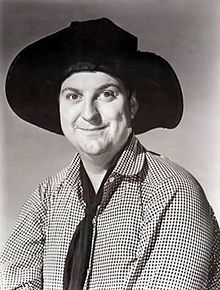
(73, 97)
(107, 95)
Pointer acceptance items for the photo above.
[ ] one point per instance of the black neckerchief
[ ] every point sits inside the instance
(77, 259)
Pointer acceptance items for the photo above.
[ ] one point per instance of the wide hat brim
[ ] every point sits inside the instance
(36, 74)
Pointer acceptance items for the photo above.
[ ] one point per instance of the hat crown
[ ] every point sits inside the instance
(102, 36)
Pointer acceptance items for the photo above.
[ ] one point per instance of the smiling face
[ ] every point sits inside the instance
(96, 112)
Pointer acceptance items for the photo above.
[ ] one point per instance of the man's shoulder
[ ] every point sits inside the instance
(57, 178)
(162, 170)
(166, 181)
(68, 172)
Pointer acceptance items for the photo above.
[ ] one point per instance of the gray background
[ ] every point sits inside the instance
(186, 33)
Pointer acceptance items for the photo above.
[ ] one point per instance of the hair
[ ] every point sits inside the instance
(92, 67)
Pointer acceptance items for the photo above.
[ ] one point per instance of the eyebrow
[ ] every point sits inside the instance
(72, 90)
(108, 85)
(102, 87)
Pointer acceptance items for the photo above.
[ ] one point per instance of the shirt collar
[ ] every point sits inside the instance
(132, 159)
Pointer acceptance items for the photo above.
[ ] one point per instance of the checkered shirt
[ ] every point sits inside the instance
(154, 229)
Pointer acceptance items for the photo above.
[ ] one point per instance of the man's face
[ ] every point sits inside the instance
(95, 112)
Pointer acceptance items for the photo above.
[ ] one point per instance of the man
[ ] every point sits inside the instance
(119, 217)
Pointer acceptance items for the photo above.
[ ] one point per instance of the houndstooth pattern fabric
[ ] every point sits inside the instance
(154, 229)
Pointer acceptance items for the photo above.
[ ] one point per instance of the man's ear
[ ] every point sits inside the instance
(133, 104)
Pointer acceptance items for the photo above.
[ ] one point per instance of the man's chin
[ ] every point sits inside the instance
(92, 149)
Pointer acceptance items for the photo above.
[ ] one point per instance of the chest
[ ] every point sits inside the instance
(117, 229)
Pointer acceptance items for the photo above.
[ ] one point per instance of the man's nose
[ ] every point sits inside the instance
(90, 112)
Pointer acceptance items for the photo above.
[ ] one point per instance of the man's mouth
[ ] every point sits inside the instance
(91, 128)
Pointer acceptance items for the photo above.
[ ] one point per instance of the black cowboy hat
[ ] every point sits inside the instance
(36, 74)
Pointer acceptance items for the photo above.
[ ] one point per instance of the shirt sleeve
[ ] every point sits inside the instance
(21, 258)
(178, 239)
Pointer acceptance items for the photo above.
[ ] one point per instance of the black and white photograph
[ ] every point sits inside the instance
(110, 137)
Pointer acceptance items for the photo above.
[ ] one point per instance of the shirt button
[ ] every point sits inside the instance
(111, 179)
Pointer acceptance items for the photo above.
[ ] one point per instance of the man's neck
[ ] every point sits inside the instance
(96, 166)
